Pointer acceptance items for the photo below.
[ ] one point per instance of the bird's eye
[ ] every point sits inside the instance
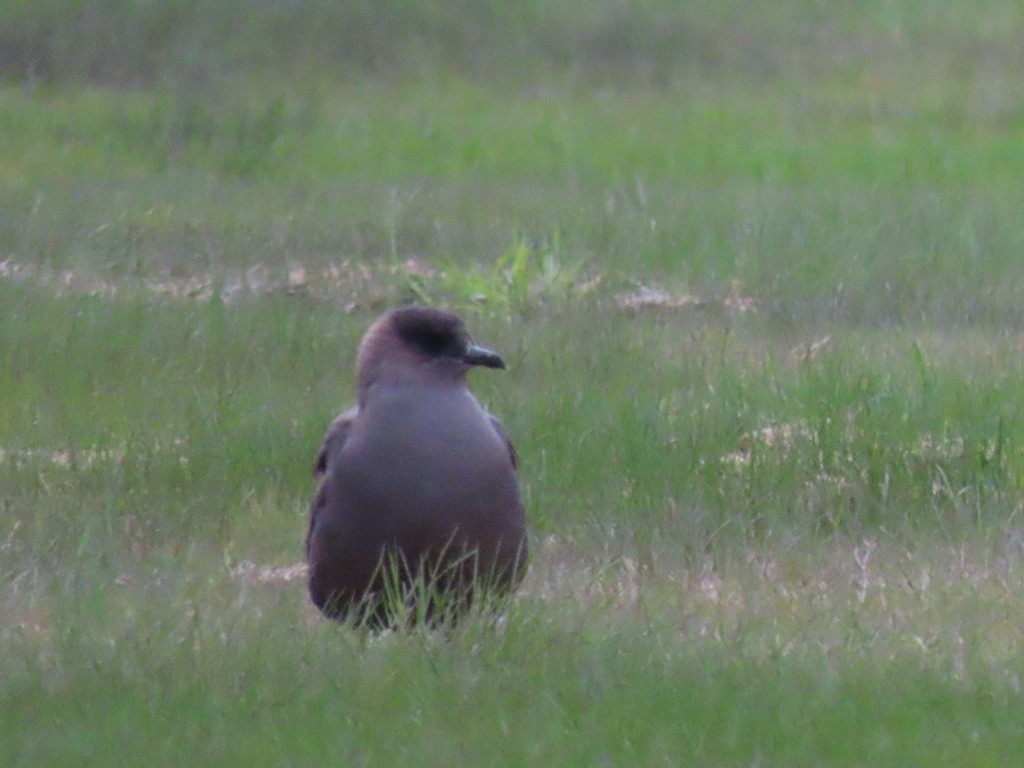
(436, 342)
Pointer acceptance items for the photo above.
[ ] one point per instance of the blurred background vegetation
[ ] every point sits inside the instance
(844, 161)
(131, 43)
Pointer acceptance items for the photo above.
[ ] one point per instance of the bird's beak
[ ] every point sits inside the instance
(477, 355)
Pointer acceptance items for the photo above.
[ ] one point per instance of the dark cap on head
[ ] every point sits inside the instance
(436, 333)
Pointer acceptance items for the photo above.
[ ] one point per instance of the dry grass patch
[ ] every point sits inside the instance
(955, 605)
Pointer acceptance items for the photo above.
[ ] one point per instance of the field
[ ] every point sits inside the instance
(756, 270)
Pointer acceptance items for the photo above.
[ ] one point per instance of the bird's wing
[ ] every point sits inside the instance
(314, 509)
(500, 429)
(337, 434)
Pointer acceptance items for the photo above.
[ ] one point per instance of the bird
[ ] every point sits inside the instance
(418, 504)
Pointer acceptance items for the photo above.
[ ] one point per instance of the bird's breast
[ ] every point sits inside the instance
(426, 460)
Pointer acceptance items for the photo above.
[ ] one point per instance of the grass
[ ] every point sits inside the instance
(812, 656)
(756, 275)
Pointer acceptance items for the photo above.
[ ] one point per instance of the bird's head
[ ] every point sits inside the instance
(419, 343)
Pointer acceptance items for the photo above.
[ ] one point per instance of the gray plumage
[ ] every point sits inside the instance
(417, 481)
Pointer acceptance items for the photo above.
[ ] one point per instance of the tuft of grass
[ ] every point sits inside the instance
(527, 274)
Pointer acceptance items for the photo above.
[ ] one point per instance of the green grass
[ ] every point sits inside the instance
(756, 273)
